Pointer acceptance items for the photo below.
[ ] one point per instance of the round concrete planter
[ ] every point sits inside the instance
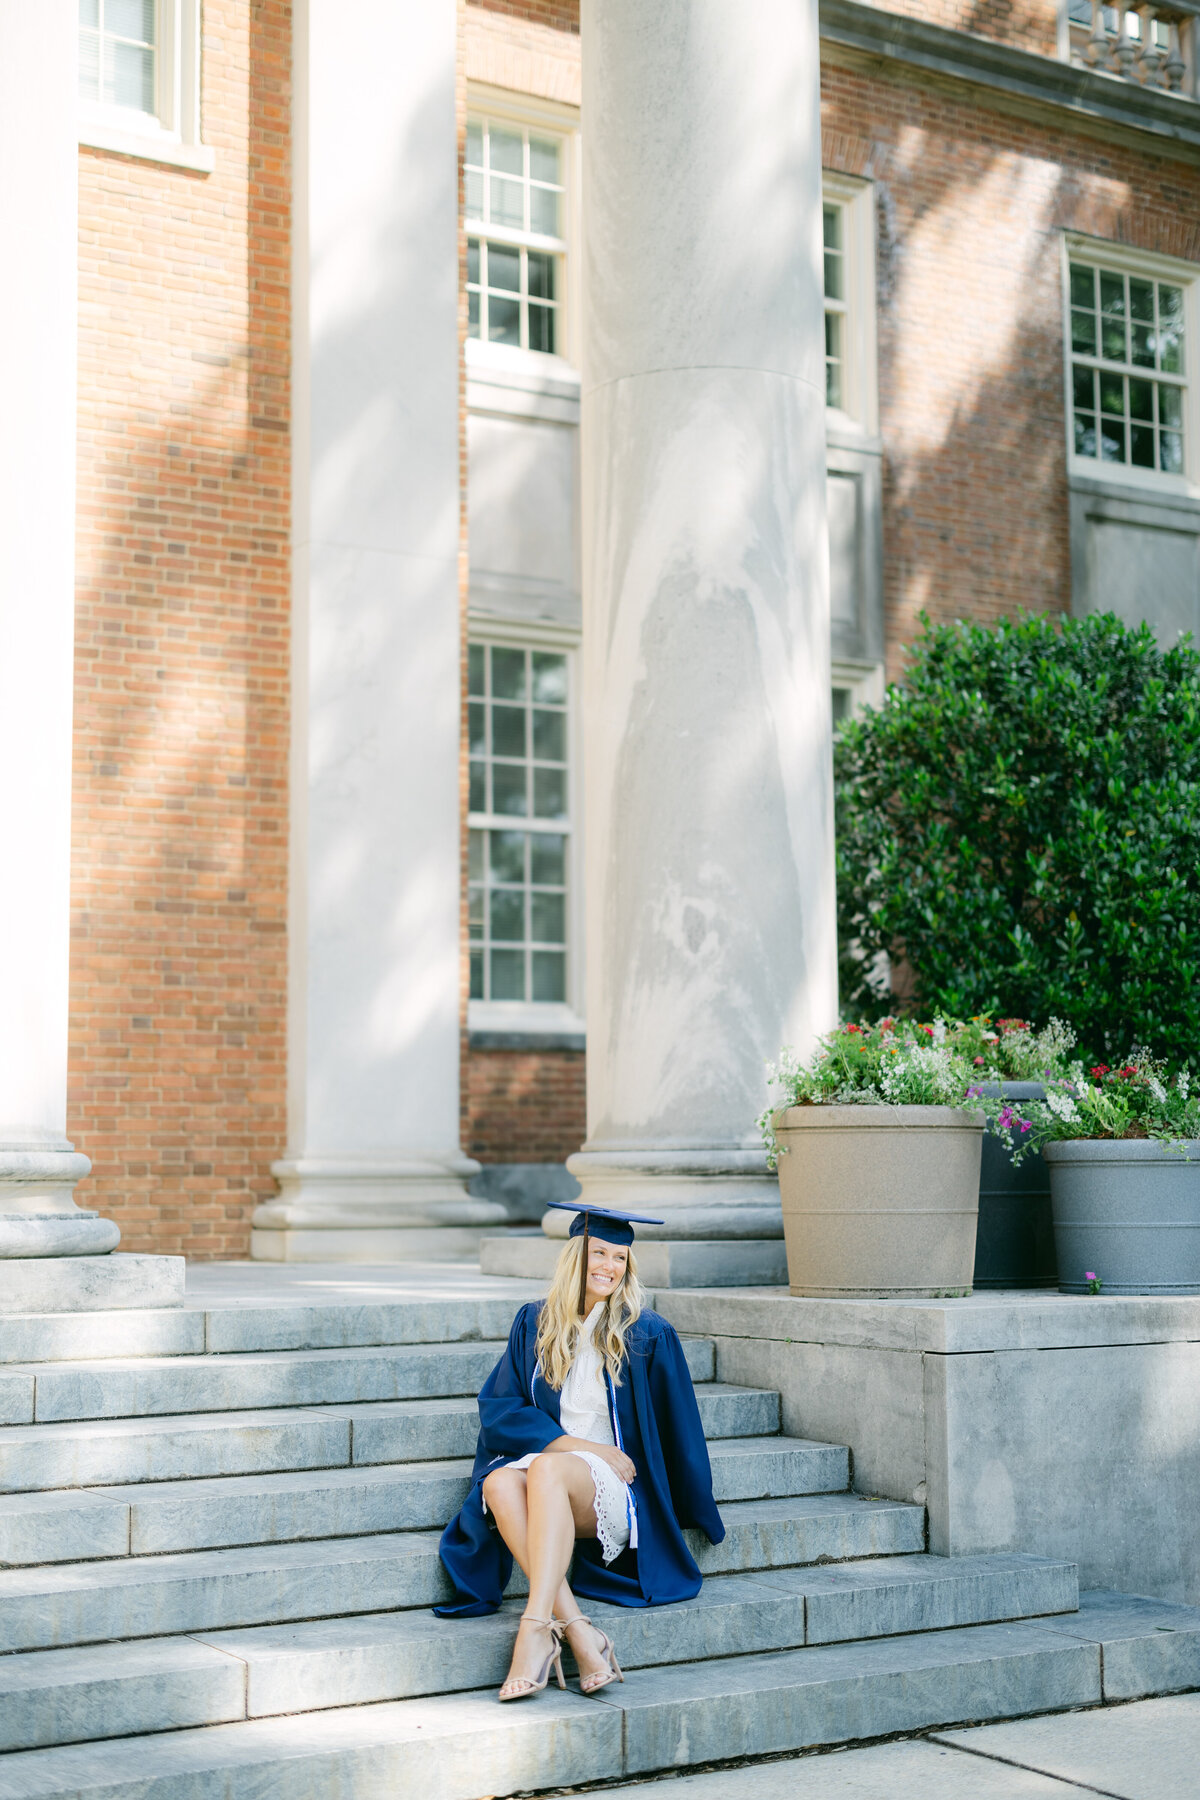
(1127, 1210)
(1015, 1245)
(879, 1200)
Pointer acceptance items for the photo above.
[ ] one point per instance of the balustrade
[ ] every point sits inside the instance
(1149, 45)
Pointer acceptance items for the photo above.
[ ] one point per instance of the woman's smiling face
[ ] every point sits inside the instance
(605, 1272)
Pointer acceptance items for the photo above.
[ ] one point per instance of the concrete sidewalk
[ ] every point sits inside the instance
(1147, 1751)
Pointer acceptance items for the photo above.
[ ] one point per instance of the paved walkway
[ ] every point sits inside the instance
(1147, 1751)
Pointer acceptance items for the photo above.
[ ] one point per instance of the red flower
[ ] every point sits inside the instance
(978, 1062)
(1100, 1069)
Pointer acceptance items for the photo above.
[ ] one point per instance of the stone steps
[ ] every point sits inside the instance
(57, 1696)
(149, 1596)
(105, 1453)
(142, 1387)
(461, 1746)
(156, 1518)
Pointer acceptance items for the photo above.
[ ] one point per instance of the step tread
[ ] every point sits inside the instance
(668, 1717)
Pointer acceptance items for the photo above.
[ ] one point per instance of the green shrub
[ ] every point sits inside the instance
(1020, 824)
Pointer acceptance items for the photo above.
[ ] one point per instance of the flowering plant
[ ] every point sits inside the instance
(1138, 1099)
(1012, 1049)
(897, 1062)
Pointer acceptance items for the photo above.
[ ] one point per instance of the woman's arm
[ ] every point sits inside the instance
(617, 1460)
(512, 1424)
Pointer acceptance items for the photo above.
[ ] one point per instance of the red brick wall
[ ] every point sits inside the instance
(1027, 24)
(970, 210)
(560, 15)
(523, 1105)
(177, 1061)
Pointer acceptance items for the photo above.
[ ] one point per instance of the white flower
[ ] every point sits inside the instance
(1062, 1106)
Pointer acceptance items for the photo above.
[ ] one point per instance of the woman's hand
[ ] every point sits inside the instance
(618, 1462)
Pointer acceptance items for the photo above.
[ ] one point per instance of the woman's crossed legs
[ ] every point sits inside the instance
(539, 1512)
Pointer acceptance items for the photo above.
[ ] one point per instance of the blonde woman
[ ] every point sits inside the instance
(590, 1452)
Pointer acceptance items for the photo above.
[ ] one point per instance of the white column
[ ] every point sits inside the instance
(710, 893)
(373, 1169)
(39, 152)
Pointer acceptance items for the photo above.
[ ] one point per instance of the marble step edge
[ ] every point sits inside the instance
(159, 1684)
(205, 1590)
(123, 1388)
(155, 1518)
(459, 1746)
(90, 1453)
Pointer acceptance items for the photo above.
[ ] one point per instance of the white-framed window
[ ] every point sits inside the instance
(855, 685)
(521, 852)
(1153, 47)
(1131, 345)
(848, 230)
(518, 181)
(139, 79)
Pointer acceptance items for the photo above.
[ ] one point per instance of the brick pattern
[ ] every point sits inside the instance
(177, 1057)
(522, 56)
(524, 1105)
(1027, 24)
(970, 208)
(559, 15)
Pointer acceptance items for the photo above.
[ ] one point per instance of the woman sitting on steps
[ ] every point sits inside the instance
(590, 1448)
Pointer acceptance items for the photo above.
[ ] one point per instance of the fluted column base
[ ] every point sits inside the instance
(711, 1193)
(38, 1214)
(359, 1210)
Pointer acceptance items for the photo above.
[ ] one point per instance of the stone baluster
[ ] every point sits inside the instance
(1175, 67)
(1125, 51)
(1097, 45)
(1150, 56)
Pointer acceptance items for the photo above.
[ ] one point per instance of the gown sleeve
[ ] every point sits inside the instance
(510, 1422)
(681, 1435)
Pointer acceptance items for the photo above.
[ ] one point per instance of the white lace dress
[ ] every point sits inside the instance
(583, 1410)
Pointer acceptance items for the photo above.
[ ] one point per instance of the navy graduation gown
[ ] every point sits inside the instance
(659, 1429)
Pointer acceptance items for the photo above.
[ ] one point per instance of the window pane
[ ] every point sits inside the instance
(1141, 300)
(130, 19)
(549, 678)
(550, 736)
(1170, 407)
(89, 12)
(89, 65)
(477, 798)
(832, 227)
(506, 914)
(1141, 399)
(1112, 294)
(508, 790)
(477, 974)
(508, 974)
(1083, 286)
(475, 142)
(1170, 307)
(504, 320)
(1141, 345)
(475, 911)
(473, 326)
(541, 276)
(1170, 453)
(549, 793)
(1141, 446)
(541, 328)
(508, 731)
(508, 674)
(1083, 333)
(833, 277)
(129, 76)
(504, 268)
(548, 918)
(475, 847)
(508, 202)
(1112, 394)
(477, 728)
(1112, 339)
(507, 851)
(549, 975)
(506, 151)
(1170, 352)
(1084, 387)
(476, 664)
(1112, 441)
(473, 260)
(841, 704)
(1085, 434)
(474, 194)
(543, 211)
(543, 159)
(548, 858)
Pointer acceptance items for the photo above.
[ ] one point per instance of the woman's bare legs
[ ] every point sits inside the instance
(539, 1513)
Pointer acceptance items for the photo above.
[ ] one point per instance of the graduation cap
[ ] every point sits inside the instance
(603, 1222)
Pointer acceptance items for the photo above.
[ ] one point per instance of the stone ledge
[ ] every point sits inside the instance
(1039, 83)
(89, 1284)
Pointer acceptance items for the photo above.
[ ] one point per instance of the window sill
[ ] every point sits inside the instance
(521, 383)
(1113, 480)
(513, 1025)
(147, 146)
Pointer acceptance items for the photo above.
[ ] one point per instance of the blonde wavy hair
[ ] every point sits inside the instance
(559, 1322)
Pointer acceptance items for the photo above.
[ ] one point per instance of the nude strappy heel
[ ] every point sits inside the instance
(607, 1650)
(553, 1661)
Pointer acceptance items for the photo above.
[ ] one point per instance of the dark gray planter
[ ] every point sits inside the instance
(1015, 1245)
(1129, 1211)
